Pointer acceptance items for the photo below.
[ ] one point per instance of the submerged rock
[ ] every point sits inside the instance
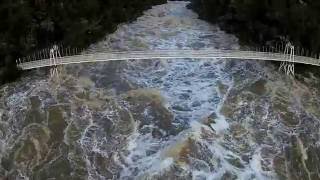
(147, 106)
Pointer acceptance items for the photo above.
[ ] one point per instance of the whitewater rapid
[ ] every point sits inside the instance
(190, 89)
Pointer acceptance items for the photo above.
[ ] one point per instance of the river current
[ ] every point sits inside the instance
(162, 119)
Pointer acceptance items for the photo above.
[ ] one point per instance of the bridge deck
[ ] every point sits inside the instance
(168, 54)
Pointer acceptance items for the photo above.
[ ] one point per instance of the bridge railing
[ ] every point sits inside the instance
(45, 54)
(275, 52)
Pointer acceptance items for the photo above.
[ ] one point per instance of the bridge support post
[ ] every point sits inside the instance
(54, 56)
(288, 62)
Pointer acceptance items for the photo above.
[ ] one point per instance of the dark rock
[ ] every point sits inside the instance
(196, 104)
(181, 107)
(147, 107)
(258, 87)
(184, 96)
(198, 45)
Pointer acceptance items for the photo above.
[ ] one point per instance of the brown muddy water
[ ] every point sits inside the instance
(161, 119)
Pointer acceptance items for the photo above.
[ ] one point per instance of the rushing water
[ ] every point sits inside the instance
(162, 119)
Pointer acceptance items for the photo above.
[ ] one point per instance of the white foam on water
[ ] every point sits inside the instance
(161, 166)
(188, 86)
(221, 123)
(138, 146)
(255, 164)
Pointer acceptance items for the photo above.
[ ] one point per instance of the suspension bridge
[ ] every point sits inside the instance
(287, 54)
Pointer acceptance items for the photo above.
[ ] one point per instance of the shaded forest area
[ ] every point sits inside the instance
(263, 21)
(29, 25)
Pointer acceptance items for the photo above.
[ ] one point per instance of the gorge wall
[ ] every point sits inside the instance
(29, 25)
(257, 22)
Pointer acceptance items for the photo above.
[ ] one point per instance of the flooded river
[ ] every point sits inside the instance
(161, 119)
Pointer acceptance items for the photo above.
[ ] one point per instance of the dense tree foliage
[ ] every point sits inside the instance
(260, 21)
(28, 25)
